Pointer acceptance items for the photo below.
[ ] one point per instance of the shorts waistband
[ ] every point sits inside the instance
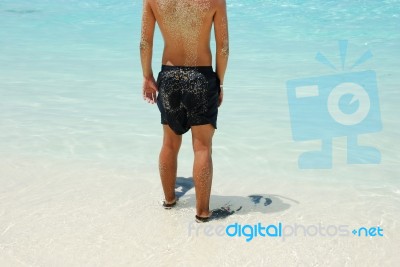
(201, 69)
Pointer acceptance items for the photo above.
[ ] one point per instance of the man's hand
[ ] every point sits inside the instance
(150, 90)
(220, 97)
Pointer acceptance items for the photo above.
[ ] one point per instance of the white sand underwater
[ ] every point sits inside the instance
(66, 213)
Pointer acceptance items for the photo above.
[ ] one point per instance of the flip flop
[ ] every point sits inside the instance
(168, 206)
(204, 219)
(217, 214)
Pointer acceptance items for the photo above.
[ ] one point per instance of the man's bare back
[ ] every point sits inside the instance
(186, 28)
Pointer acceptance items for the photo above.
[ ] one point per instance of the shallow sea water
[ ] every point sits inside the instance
(79, 182)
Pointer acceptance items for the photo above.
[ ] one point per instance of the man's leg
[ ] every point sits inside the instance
(202, 167)
(168, 162)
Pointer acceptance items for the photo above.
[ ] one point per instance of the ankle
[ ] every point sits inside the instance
(204, 214)
(170, 200)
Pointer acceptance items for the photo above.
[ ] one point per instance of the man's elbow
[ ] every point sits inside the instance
(223, 49)
(145, 45)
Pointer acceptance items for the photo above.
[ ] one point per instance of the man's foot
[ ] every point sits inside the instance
(169, 205)
(217, 214)
(204, 219)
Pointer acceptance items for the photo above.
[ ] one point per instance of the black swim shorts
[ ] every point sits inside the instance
(187, 96)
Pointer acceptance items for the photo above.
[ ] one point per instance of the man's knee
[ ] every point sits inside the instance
(202, 138)
(172, 145)
(203, 147)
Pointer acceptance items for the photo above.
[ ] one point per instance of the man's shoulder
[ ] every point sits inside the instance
(219, 3)
(216, 2)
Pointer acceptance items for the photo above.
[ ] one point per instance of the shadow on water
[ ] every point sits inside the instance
(224, 206)
(21, 11)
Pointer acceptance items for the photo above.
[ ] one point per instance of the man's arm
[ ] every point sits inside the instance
(146, 40)
(146, 52)
(222, 41)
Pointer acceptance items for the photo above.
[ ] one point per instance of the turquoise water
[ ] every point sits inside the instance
(70, 91)
(70, 77)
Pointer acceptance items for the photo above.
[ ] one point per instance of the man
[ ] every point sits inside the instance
(188, 92)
